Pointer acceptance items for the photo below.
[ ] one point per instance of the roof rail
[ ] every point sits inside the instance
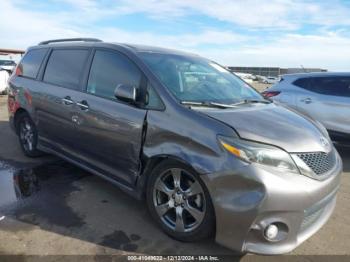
(70, 40)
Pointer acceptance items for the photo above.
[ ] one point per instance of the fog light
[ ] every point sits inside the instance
(271, 232)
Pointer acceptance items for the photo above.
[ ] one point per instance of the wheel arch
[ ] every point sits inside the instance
(148, 166)
(20, 111)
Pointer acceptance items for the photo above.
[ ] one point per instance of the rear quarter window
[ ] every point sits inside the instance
(65, 67)
(30, 63)
(333, 86)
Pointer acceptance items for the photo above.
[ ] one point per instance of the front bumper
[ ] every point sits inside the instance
(251, 197)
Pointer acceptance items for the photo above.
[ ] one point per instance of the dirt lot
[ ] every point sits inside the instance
(65, 210)
(260, 86)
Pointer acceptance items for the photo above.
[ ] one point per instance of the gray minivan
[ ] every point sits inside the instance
(209, 154)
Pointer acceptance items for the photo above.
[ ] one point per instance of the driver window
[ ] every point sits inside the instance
(110, 69)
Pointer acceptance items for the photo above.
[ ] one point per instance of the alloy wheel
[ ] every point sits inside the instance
(26, 133)
(179, 200)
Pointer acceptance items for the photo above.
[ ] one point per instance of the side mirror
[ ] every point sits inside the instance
(125, 93)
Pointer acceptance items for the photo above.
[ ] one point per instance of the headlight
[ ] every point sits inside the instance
(259, 153)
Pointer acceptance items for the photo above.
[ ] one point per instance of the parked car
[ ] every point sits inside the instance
(4, 76)
(322, 96)
(249, 78)
(207, 152)
(269, 79)
(8, 65)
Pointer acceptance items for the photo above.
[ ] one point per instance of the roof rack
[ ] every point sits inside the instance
(70, 40)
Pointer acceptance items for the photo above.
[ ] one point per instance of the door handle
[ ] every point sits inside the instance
(83, 105)
(306, 100)
(67, 101)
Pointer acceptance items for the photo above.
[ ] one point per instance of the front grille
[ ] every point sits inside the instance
(319, 162)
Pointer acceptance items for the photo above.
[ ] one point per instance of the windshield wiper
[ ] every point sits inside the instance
(258, 101)
(223, 105)
(251, 101)
(220, 105)
(206, 104)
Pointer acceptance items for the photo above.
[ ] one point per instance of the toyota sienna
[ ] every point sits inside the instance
(207, 152)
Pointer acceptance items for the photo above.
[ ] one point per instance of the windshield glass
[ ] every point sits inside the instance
(199, 80)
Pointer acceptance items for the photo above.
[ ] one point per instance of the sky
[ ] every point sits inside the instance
(282, 33)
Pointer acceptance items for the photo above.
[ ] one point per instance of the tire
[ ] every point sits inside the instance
(27, 135)
(170, 203)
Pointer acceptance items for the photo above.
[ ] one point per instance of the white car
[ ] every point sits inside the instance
(4, 76)
(270, 80)
(248, 78)
(8, 65)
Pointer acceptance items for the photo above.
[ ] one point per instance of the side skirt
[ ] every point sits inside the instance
(129, 190)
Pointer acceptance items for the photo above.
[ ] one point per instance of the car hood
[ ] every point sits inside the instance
(272, 124)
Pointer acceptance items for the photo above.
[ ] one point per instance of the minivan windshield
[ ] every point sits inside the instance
(198, 80)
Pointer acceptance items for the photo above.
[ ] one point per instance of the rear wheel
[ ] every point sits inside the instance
(28, 136)
(180, 202)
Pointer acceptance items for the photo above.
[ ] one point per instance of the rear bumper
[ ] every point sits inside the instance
(250, 198)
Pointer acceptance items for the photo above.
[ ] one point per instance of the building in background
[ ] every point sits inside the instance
(301, 70)
(272, 71)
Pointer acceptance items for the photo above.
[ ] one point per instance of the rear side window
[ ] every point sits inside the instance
(334, 86)
(30, 64)
(303, 83)
(110, 69)
(65, 67)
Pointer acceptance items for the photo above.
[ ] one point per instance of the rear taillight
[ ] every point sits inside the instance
(269, 94)
(18, 71)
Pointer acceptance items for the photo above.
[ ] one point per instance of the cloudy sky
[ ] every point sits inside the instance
(285, 33)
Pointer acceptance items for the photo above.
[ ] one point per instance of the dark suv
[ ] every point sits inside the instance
(209, 153)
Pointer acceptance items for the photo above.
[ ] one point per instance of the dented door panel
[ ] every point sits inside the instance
(110, 135)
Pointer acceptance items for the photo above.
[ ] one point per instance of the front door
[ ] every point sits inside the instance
(110, 131)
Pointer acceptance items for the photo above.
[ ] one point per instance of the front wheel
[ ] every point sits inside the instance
(28, 136)
(179, 201)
